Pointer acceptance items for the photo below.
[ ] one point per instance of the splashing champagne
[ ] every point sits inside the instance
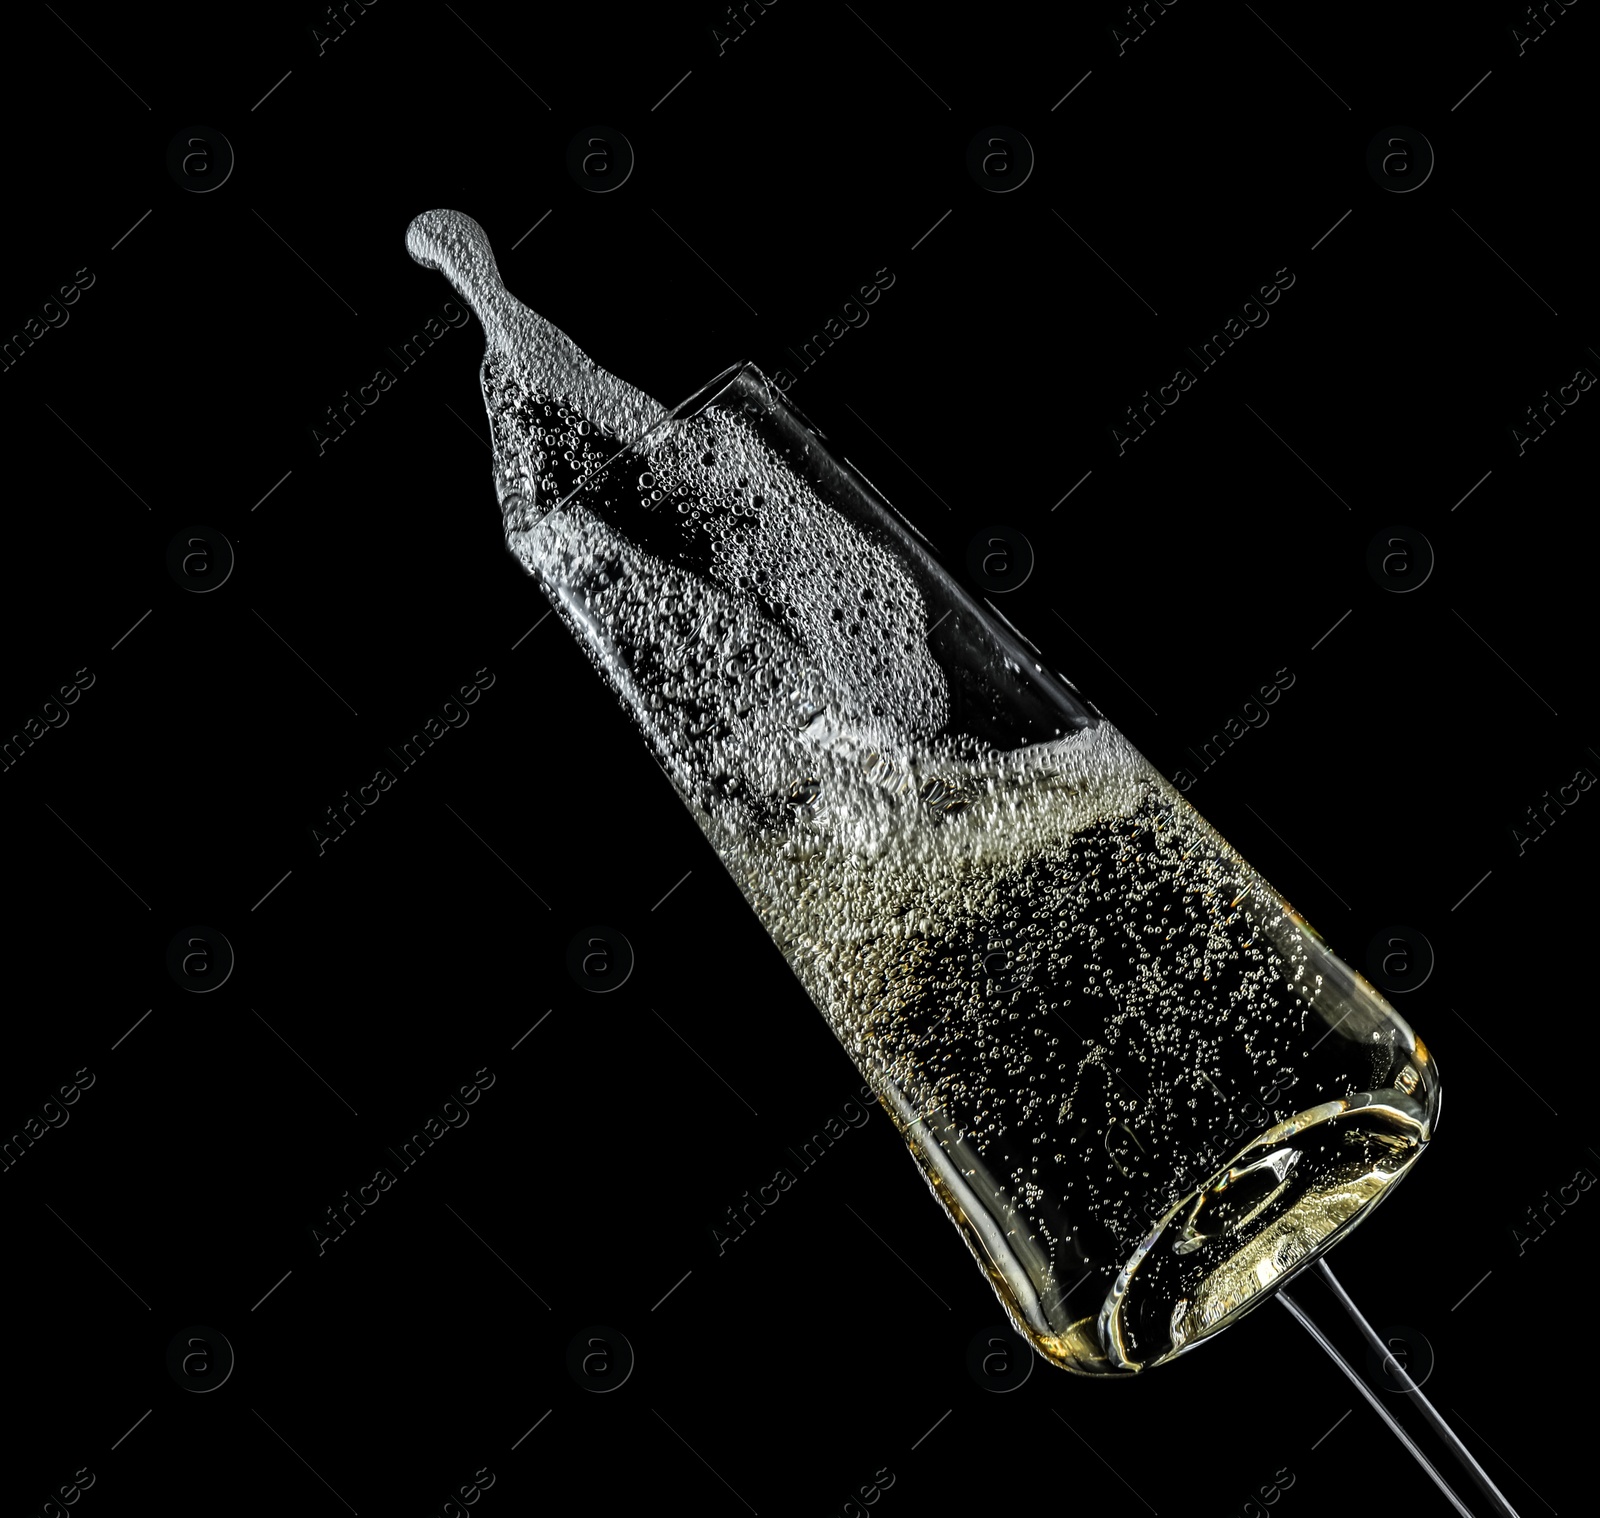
(1139, 1083)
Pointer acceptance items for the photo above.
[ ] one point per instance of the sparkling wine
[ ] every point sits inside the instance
(1140, 1084)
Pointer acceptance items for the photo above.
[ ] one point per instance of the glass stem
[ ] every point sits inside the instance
(1304, 1320)
(1463, 1455)
(1496, 1499)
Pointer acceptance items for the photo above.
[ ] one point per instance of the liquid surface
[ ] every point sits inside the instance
(1141, 1086)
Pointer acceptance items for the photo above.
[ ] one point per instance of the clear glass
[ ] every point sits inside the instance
(1138, 1082)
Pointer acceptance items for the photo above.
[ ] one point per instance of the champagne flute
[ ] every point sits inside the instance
(1140, 1084)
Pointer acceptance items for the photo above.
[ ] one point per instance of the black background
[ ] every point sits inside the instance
(791, 165)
